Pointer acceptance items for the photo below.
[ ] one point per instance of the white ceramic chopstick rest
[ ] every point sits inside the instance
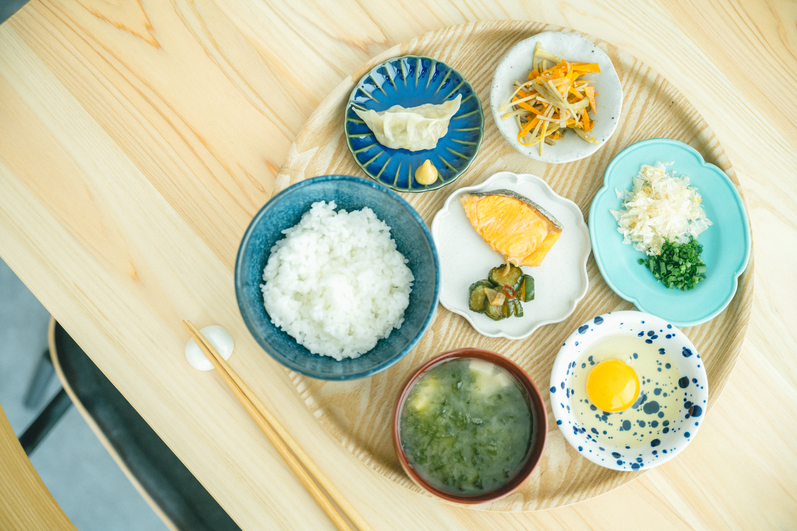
(219, 337)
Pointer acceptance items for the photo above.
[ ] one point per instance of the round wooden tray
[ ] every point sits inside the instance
(358, 413)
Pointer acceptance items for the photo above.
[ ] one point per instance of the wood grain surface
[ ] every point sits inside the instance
(359, 413)
(25, 503)
(138, 138)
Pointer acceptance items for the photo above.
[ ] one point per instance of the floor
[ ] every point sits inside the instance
(81, 475)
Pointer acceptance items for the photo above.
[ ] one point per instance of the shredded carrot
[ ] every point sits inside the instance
(526, 129)
(526, 106)
(590, 92)
(585, 121)
(555, 98)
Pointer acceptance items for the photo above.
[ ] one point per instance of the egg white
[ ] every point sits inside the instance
(660, 395)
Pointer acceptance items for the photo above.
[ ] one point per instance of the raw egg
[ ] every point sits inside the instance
(626, 391)
(612, 386)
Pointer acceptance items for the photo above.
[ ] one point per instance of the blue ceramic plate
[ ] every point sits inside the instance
(726, 244)
(285, 210)
(410, 81)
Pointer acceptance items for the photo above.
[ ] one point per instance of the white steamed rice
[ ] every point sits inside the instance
(336, 282)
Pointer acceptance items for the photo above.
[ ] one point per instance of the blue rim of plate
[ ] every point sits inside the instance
(657, 295)
(395, 168)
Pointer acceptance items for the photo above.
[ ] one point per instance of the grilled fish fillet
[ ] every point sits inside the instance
(513, 225)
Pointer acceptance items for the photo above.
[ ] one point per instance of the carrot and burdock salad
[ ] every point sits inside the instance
(555, 98)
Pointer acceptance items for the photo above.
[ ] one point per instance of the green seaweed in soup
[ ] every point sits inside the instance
(466, 426)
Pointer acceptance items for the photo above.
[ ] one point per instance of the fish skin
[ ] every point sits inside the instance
(514, 195)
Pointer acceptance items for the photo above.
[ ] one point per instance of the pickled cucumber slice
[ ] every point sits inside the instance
(505, 276)
(477, 299)
(526, 289)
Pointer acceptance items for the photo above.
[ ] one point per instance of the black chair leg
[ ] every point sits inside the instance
(38, 384)
(46, 420)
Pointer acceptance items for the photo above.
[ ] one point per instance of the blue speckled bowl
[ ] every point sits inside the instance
(349, 193)
(726, 244)
(670, 440)
(410, 81)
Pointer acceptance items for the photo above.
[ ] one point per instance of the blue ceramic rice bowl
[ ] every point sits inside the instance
(284, 210)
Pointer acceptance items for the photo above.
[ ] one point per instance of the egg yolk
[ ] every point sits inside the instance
(612, 386)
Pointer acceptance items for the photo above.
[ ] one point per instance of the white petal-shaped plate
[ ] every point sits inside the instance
(560, 281)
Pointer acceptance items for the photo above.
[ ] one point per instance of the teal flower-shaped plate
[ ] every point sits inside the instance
(410, 81)
(726, 243)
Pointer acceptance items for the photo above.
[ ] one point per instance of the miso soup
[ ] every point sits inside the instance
(466, 426)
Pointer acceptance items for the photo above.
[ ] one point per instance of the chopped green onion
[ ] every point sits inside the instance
(677, 265)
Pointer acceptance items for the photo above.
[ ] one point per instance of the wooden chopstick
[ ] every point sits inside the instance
(305, 459)
(297, 459)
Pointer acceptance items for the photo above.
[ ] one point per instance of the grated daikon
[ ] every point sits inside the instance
(659, 206)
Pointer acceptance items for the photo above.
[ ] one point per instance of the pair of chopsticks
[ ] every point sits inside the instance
(320, 488)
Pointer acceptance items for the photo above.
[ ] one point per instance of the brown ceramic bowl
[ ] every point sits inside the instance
(539, 417)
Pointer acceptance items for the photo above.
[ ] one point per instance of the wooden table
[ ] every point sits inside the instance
(25, 503)
(137, 140)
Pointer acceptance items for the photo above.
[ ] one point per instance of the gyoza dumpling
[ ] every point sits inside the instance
(413, 128)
